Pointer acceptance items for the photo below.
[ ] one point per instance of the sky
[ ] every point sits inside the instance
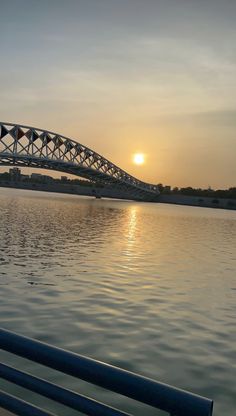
(125, 76)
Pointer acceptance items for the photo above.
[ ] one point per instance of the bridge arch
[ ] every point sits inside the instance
(32, 147)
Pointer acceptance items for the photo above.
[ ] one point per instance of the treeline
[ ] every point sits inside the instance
(219, 193)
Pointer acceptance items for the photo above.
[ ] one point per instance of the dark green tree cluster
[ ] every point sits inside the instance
(219, 193)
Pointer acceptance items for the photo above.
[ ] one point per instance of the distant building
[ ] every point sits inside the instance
(37, 177)
(24, 177)
(15, 174)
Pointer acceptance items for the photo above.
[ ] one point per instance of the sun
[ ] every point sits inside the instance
(138, 158)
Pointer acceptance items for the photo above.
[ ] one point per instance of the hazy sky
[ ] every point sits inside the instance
(126, 76)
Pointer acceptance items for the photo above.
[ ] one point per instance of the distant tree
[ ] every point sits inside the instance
(160, 187)
(187, 191)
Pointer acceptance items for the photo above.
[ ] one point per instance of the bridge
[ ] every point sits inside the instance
(36, 148)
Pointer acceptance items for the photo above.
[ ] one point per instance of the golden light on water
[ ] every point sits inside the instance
(131, 229)
(138, 158)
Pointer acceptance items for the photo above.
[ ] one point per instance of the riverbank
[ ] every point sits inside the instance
(67, 189)
(207, 202)
(178, 199)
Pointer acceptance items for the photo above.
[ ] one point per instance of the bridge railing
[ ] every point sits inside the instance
(158, 395)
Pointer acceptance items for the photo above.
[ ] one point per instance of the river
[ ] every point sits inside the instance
(147, 287)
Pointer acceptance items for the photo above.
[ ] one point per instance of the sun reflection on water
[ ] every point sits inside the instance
(131, 225)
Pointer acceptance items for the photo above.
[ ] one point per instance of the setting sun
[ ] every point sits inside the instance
(138, 158)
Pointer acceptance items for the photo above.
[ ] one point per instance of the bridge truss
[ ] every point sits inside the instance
(32, 147)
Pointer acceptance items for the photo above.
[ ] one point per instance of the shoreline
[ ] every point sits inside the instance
(175, 199)
(198, 201)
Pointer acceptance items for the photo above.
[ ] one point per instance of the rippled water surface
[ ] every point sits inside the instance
(147, 287)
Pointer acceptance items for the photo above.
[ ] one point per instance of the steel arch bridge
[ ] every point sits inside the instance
(32, 147)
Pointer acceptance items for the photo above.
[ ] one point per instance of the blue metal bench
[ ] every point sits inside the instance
(174, 401)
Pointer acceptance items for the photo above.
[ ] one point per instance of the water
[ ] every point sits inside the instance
(147, 287)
